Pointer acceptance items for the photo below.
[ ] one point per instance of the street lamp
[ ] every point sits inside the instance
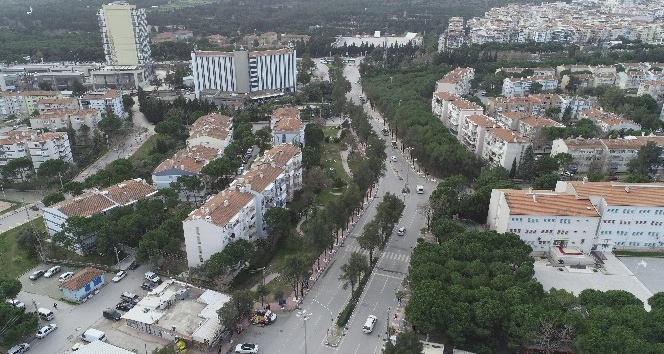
(304, 315)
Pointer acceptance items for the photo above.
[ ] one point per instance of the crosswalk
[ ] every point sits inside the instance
(387, 255)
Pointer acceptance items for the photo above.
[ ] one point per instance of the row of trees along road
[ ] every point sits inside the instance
(15, 322)
(476, 291)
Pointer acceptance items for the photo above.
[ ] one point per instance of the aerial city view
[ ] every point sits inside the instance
(332, 177)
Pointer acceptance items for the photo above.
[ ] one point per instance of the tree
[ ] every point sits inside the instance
(319, 232)
(28, 240)
(444, 228)
(16, 322)
(263, 138)
(535, 88)
(305, 68)
(45, 86)
(234, 254)
(127, 102)
(313, 136)
(513, 169)
(279, 223)
(370, 238)
(527, 168)
(239, 306)
(110, 124)
(77, 88)
(564, 159)
(547, 182)
(647, 160)
(352, 272)
(311, 156)
(407, 343)
(17, 168)
(53, 198)
(295, 269)
(171, 127)
(546, 165)
(53, 168)
(73, 187)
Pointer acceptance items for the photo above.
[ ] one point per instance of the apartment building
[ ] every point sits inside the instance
(23, 104)
(497, 105)
(213, 130)
(94, 202)
(287, 127)
(503, 146)
(243, 72)
(632, 214)
(510, 120)
(125, 35)
(186, 162)
(577, 104)
(452, 110)
(605, 155)
(48, 104)
(103, 102)
(454, 36)
(607, 121)
(654, 88)
(520, 86)
(35, 146)
(536, 71)
(456, 82)
(545, 220)
(604, 79)
(55, 119)
(289, 158)
(531, 126)
(473, 132)
(228, 216)
(628, 80)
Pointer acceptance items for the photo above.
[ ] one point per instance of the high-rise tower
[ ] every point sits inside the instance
(125, 35)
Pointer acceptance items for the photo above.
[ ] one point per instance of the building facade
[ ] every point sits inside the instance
(287, 127)
(124, 32)
(502, 147)
(213, 130)
(186, 162)
(35, 146)
(521, 86)
(74, 119)
(456, 81)
(83, 284)
(104, 102)
(242, 71)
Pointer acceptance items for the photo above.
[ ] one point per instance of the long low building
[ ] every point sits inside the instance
(582, 216)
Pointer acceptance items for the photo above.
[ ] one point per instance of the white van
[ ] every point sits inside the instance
(92, 335)
(45, 314)
(420, 189)
(369, 324)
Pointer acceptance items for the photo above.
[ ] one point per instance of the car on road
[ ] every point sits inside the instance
(16, 303)
(52, 271)
(65, 276)
(19, 349)
(119, 276)
(420, 189)
(393, 158)
(369, 324)
(37, 274)
(46, 330)
(112, 314)
(124, 306)
(246, 348)
(401, 231)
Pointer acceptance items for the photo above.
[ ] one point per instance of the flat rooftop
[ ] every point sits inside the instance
(183, 314)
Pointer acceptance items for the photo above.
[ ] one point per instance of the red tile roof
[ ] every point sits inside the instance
(82, 278)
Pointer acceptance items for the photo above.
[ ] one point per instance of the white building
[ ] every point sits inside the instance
(289, 158)
(124, 31)
(503, 146)
(456, 81)
(228, 216)
(94, 202)
(287, 127)
(244, 72)
(104, 102)
(23, 104)
(654, 88)
(545, 219)
(74, 119)
(577, 104)
(632, 214)
(473, 132)
(48, 104)
(35, 146)
(607, 121)
(213, 130)
(631, 79)
(531, 126)
(452, 110)
(520, 86)
(186, 162)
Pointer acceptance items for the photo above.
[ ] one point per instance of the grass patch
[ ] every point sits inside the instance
(15, 205)
(16, 261)
(143, 152)
(638, 254)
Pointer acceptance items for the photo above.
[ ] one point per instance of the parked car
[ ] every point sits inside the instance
(16, 303)
(19, 349)
(77, 346)
(65, 276)
(37, 274)
(148, 285)
(112, 314)
(130, 297)
(246, 348)
(151, 276)
(401, 231)
(46, 330)
(119, 276)
(124, 306)
(52, 271)
(133, 265)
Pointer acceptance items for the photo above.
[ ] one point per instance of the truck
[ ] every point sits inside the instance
(151, 276)
(92, 335)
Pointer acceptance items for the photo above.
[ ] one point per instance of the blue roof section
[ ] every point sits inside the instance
(175, 172)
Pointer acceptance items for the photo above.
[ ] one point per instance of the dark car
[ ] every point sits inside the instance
(148, 285)
(124, 306)
(112, 314)
(133, 265)
(38, 274)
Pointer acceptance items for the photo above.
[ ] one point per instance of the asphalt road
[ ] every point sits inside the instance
(328, 298)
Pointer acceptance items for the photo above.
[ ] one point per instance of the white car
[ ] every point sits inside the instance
(119, 276)
(44, 331)
(19, 349)
(393, 158)
(401, 231)
(65, 276)
(369, 324)
(52, 271)
(16, 303)
(246, 348)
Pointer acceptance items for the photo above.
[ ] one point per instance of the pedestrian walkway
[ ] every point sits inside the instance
(387, 255)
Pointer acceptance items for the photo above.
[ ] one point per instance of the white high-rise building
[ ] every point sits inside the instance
(242, 71)
(124, 31)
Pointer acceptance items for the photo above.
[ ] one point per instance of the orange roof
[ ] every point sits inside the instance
(260, 176)
(280, 154)
(447, 96)
(481, 120)
(29, 93)
(540, 122)
(581, 143)
(130, 191)
(213, 125)
(548, 203)
(57, 101)
(507, 135)
(221, 208)
(455, 75)
(463, 103)
(624, 194)
(96, 201)
(65, 113)
(101, 95)
(286, 119)
(82, 278)
(512, 115)
(192, 159)
(633, 143)
(85, 205)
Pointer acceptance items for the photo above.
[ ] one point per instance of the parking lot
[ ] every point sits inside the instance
(647, 270)
(73, 320)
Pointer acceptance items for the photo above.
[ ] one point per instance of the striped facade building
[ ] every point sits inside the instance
(242, 71)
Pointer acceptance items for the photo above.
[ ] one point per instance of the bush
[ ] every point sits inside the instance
(344, 316)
